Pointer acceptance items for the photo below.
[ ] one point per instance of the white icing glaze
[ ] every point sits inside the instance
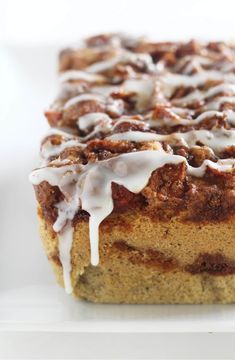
(89, 187)
(65, 238)
(137, 136)
(65, 177)
(173, 119)
(225, 165)
(63, 133)
(188, 99)
(194, 80)
(115, 106)
(105, 90)
(182, 111)
(172, 81)
(104, 65)
(191, 62)
(228, 89)
(227, 67)
(92, 119)
(99, 122)
(83, 97)
(195, 63)
(48, 149)
(80, 75)
(206, 115)
(103, 123)
(167, 121)
(56, 176)
(216, 139)
(129, 119)
(198, 95)
(144, 90)
(231, 116)
(216, 104)
(122, 56)
(111, 105)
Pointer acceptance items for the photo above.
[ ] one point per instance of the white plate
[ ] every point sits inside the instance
(34, 311)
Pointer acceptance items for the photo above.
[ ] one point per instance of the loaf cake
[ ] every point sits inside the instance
(136, 191)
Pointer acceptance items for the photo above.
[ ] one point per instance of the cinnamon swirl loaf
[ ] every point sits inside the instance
(136, 189)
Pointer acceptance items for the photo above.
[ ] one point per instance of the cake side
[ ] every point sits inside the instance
(147, 261)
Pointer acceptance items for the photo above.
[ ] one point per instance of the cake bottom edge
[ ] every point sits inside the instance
(138, 286)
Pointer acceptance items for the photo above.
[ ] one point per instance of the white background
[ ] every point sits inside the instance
(62, 21)
(31, 32)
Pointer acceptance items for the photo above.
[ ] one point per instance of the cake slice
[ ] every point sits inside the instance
(135, 193)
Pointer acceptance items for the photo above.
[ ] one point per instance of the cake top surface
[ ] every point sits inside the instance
(119, 94)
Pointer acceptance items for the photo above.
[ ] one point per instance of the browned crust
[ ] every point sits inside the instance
(169, 193)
